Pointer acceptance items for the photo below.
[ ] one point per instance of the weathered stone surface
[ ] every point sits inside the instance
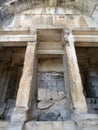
(92, 104)
(68, 125)
(9, 113)
(3, 125)
(11, 103)
(90, 127)
(2, 108)
(19, 115)
(58, 95)
(45, 104)
(59, 109)
(85, 119)
(42, 117)
(44, 94)
(51, 17)
(25, 86)
(47, 94)
(51, 116)
(52, 3)
(95, 16)
(15, 126)
(51, 89)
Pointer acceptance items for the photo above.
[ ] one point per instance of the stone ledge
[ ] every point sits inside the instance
(85, 119)
(68, 125)
(15, 126)
(3, 124)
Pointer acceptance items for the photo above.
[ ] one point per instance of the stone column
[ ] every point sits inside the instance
(76, 87)
(26, 86)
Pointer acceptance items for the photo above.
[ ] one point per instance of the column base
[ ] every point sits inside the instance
(17, 120)
(19, 115)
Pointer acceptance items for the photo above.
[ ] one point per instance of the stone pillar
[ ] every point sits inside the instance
(26, 86)
(76, 87)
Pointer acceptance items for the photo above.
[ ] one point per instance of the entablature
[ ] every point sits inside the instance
(17, 36)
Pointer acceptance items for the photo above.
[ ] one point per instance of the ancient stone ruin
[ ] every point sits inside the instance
(48, 65)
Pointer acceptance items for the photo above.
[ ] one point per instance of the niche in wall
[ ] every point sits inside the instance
(11, 65)
(49, 101)
(88, 64)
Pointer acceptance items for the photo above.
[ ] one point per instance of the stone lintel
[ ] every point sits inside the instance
(86, 38)
(17, 38)
(14, 31)
(85, 29)
(81, 36)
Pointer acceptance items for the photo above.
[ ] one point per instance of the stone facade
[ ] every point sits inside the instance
(53, 84)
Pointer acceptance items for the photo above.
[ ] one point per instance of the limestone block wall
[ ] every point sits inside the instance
(89, 7)
(52, 17)
(52, 103)
(11, 8)
(47, 108)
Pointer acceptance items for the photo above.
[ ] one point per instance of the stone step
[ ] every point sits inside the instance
(3, 125)
(66, 125)
(92, 103)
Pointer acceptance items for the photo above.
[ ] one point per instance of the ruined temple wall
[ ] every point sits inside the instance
(51, 17)
(56, 18)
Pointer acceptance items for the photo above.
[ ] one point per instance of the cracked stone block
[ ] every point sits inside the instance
(58, 95)
(44, 94)
(45, 104)
(47, 94)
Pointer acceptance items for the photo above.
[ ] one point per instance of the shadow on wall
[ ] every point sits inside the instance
(11, 64)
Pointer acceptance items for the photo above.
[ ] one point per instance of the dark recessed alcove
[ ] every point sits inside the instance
(11, 65)
(88, 64)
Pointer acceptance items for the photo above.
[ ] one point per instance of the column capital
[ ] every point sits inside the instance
(31, 43)
(68, 38)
